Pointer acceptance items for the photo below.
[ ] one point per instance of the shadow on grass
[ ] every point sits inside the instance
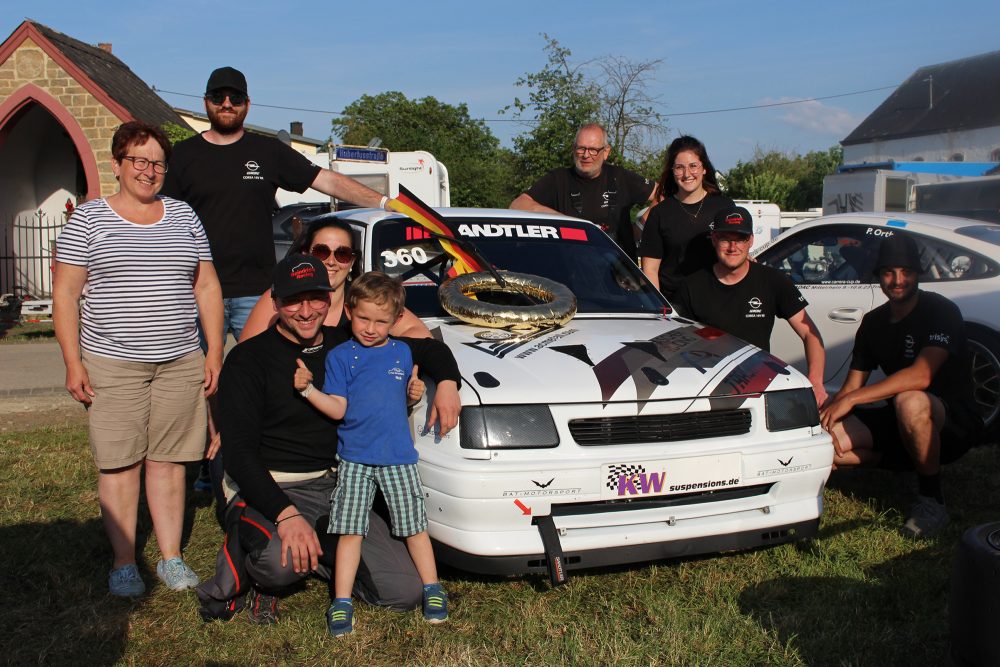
(880, 618)
(56, 608)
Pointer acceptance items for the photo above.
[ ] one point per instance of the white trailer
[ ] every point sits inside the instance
(383, 171)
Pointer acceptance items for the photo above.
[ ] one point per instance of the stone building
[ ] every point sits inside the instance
(60, 103)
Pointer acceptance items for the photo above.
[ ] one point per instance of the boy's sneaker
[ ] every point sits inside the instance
(435, 604)
(176, 575)
(263, 608)
(340, 618)
(221, 610)
(926, 518)
(125, 582)
(203, 483)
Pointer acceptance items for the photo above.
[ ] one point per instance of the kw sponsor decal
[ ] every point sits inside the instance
(637, 481)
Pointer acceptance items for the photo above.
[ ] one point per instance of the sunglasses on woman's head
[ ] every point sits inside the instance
(343, 254)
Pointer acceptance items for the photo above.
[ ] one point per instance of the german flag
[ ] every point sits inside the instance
(410, 205)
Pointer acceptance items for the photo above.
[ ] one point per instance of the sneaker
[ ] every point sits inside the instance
(125, 582)
(340, 618)
(176, 575)
(203, 483)
(221, 610)
(435, 604)
(926, 518)
(263, 608)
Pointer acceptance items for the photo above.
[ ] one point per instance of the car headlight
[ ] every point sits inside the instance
(507, 427)
(794, 408)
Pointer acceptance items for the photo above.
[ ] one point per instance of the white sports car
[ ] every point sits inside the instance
(832, 259)
(626, 435)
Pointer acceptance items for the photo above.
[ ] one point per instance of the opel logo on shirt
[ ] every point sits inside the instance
(755, 303)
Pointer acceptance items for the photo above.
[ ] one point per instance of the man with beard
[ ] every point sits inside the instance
(229, 177)
(917, 338)
(744, 298)
(590, 189)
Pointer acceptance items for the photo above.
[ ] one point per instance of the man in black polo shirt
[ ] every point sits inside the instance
(592, 190)
(743, 297)
(917, 338)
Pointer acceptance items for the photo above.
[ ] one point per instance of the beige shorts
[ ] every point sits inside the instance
(146, 410)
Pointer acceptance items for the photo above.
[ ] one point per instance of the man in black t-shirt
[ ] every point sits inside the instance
(280, 458)
(917, 338)
(592, 190)
(743, 298)
(229, 177)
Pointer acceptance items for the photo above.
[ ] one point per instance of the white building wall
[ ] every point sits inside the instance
(982, 145)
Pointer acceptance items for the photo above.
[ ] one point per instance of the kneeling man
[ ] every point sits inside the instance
(917, 338)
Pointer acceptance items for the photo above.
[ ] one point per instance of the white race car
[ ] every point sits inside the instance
(627, 435)
(832, 259)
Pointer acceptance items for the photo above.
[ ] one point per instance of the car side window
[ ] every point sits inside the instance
(835, 254)
(946, 262)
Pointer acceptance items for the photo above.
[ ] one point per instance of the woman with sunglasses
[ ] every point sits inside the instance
(675, 238)
(132, 353)
(330, 242)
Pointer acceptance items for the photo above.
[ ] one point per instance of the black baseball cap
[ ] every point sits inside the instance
(733, 219)
(299, 273)
(898, 251)
(227, 77)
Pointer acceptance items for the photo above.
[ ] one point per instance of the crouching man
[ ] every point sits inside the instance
(917, 338)
(280, 462)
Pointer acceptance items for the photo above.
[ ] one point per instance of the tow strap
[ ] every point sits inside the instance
(553, 549)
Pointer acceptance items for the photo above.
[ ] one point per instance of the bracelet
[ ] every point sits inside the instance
(381, 204)
(292, 516)
(308, 390)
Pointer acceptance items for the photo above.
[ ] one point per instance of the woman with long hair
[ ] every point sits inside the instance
(675, 238)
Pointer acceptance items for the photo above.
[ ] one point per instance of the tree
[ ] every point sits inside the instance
(565, 95)
(794, 182)
(176, 132)
(560, 100)
(479, 169)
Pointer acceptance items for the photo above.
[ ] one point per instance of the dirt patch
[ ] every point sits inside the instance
(24, 413)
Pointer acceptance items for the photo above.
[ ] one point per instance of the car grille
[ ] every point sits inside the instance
(659, 428)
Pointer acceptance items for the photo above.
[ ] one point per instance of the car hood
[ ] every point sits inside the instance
(608, 360)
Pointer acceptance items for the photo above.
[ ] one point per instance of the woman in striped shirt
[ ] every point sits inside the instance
(132, 351)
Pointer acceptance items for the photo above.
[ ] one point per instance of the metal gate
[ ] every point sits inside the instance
(27, 250)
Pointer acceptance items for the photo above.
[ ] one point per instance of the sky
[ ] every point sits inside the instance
(322, 55)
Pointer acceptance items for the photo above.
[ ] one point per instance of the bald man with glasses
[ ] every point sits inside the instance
(591, 189)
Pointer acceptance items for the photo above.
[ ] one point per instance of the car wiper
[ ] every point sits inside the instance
(465, 244)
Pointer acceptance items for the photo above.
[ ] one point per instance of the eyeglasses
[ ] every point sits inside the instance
(588, 150)
(140, 163)
(217, 97)
(343, 254)
(294, 303)
(692, 168)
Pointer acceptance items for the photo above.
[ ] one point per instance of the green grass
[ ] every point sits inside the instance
(26, 332)
(858, 594)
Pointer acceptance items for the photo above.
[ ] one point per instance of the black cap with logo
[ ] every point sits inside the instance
(733, 219)
(227, 77)
(899, 251)
(299, 273)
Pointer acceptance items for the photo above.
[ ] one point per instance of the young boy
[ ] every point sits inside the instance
(366, 387)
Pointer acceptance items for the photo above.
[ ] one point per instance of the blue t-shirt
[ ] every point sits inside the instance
(375, 429)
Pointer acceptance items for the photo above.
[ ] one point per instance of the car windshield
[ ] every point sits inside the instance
(572, 253)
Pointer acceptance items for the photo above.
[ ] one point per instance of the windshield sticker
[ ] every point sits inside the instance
(415, 233)
(752, 376)
(508, 230)
(878, 231)
(895, 223)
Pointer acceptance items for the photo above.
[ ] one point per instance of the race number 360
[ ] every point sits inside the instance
(403, 257)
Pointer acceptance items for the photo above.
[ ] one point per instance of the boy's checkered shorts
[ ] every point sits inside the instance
(356, 485)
